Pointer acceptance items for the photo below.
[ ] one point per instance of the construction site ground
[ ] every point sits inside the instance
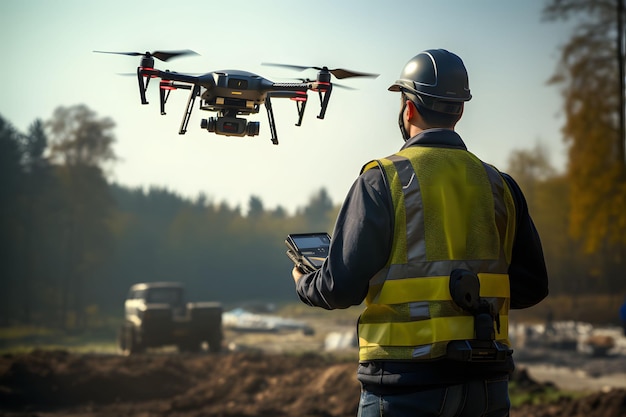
(284, 374)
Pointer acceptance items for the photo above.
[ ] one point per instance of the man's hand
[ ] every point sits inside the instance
(296, 274)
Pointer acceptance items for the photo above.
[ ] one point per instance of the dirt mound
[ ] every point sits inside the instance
(234, 384)
(273, 385)
(58, 378)
(58, 383)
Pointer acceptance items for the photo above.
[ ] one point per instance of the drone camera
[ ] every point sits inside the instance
(253, 128)
(208, 124)
(230, 126)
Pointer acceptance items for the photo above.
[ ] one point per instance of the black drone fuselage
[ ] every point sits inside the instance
(226, 90)
(232, 93)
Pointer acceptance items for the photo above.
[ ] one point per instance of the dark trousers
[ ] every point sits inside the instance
(479, 398)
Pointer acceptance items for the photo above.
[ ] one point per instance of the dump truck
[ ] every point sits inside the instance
(156, 314)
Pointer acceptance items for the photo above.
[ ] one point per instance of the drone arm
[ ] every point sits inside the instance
(323, 88)
(296, 92)
(299, 96)
(175, 76)
(145, 73)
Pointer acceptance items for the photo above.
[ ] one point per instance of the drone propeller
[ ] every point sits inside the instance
(339, 73)
(308, 80)
(160, 55)
(134, 74)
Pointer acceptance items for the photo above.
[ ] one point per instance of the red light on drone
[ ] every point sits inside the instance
(148, 72)
(167, 85)
(230, 127)
(301, 96)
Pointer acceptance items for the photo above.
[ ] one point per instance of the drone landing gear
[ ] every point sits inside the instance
(144, 73)
(270, 117)
(192, 99)
(300, 100)
(323, 91)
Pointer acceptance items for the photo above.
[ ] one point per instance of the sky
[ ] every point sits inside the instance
(48, 61)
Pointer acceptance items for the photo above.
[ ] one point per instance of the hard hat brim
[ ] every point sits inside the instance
(401, 84)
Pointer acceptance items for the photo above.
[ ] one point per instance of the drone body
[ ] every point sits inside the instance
(233, 93)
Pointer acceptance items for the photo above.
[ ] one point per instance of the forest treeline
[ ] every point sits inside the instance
(72, 242)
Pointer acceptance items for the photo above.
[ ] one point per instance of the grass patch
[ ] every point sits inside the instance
(21, 332)
(540, 395)
(93, 347)
(25, 338)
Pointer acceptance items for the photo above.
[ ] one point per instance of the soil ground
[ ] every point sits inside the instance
(283, 380)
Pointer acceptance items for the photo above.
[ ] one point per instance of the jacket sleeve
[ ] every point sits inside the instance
(527, 273)
(360, 247)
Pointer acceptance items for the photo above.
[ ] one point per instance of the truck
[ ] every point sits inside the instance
(156, 314)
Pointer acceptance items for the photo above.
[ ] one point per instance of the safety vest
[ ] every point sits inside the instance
(451, 211)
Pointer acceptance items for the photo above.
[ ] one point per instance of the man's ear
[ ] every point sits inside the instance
(410, 109)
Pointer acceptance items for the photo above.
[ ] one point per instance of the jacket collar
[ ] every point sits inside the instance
(445, 138)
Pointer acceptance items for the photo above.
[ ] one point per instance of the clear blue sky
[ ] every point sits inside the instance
(47, 61)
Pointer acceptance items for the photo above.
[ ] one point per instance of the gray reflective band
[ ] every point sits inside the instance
(501, 216)
(415, 239)
(419, 310)
(421, 352)
(442, 268)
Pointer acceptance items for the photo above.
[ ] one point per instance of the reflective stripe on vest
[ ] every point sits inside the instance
(451, 211)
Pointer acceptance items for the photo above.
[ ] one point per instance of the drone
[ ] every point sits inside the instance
(234, 93)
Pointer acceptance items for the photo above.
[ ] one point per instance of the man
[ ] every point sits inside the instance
(439, 245)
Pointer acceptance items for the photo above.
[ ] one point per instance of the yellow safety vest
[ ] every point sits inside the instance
(451, 211)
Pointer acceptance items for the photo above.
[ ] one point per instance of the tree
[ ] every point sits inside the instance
(34, 144)
(80, 145)
(530, 167)
(10, 178)
(33, 211)
(546, 195)
(78, 137)
(255, 207)
(318, 213)
(10, 166)
(591, 73)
